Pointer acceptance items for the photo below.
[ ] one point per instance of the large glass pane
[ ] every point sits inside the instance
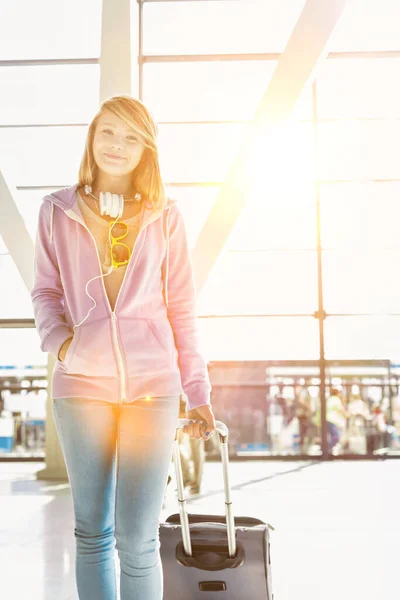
(206, 152)
(278, 214)
(23, 366)
(36, 156)
(15, 301)
(198, 152)
(57, 94)
(359, 150)
(269, 338)
(195, 204)
(261, 283)
(48, 29)
(268, 409)
(359, 88)
(20, 348)
(275, 217)
(213, 91)
(293, 408)
(28, 203)
(197, 27)
(356, 215)
(358, 338)
(361, 281)
(361, 388)
(367, 25)
(372, 419)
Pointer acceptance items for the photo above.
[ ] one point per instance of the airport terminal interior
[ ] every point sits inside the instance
(278, 138)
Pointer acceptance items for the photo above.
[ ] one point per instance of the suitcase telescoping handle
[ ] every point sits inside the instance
(222, 430)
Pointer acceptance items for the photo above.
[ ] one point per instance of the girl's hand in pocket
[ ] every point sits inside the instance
(63, 350)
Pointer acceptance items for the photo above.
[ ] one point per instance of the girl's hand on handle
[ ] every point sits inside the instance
(202, 422)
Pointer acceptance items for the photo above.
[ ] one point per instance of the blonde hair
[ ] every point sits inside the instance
(146, 178)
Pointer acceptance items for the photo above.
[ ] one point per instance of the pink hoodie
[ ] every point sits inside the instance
(147, 346)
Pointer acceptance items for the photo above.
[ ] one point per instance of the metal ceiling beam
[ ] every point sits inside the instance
(259, 56)
(306, 48)
(115, 58)
(15, 233)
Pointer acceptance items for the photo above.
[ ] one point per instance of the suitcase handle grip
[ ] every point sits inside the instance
(230, 523)
(209, 558)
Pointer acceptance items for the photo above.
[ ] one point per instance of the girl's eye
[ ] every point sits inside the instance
(107, 131)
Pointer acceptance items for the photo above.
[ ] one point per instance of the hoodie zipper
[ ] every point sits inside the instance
(117, 347)
(120, 362)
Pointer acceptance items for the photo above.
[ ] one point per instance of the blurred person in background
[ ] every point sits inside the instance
(356, 406)
(380, 423)
(336, 416)
(303, 413)
(358, 415)
(396, 410)
(276, 419)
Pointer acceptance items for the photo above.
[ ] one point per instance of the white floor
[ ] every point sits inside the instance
(337, 527)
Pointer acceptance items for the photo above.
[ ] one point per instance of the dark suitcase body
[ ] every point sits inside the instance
(211, 567)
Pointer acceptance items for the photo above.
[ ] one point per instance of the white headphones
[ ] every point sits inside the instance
(111, 204)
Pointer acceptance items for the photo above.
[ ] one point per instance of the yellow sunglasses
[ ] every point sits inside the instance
(120, 253)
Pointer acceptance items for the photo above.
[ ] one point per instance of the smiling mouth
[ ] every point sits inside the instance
(114, 157)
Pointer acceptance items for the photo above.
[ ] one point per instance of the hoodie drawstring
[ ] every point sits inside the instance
(51, 221)
(167, 261)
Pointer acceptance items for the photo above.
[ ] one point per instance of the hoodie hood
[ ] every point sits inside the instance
(66, 200)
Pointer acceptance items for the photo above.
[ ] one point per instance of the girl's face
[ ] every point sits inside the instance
(112, 138)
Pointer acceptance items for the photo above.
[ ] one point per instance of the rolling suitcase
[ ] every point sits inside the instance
(214, 557)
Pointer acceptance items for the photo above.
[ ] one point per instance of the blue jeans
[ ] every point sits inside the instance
(333, 435)
(117, 458)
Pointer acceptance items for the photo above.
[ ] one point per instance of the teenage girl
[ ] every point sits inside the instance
(114, 302)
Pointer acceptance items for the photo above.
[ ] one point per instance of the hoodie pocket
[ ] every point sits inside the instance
(91, 352)
(147, 345)
(70, 350)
